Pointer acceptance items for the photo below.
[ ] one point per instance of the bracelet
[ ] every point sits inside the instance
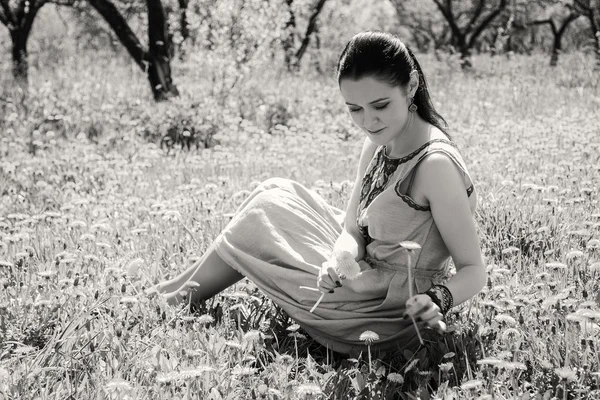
(442, 297)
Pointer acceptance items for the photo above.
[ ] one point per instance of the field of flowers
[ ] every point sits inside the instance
(97, 205)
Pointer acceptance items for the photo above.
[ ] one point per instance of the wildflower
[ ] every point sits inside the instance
(574, 254)
(309, 389)
(167, 378)
(191, 285)
(118, 384)
(512, 365)
(593, 244)
(505, 318)
(511, 334)
(556, 265)
(510, 250)
(566, 374)
(252, 336)
(293, 327)
(243, 371)
(472, 384)
(396, 378)
(489, 361)
(24, 349)
(346, 266)
(129, 300)
(195, 372)
(234, 344)
(447, 366)
(369, 337)
(285, 359)
(205, 319)
(47, 274)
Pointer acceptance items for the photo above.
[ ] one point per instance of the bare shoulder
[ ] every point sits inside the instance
(440, 176)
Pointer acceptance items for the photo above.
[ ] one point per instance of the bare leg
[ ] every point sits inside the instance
(212, 274)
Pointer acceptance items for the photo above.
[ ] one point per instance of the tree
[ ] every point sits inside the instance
(292, 55)
(426, 26)
(467, 20)
(558, 17)
(19, 22)
(156, 60)
(591, 10)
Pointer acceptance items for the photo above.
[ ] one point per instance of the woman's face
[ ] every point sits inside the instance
(379, 109)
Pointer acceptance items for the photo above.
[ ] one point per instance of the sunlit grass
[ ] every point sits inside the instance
(91, 214)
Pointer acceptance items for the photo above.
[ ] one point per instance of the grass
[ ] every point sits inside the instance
(93, 211)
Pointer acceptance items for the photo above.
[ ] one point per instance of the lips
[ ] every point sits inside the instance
(375, 132)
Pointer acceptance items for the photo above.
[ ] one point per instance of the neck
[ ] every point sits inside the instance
(408, 139)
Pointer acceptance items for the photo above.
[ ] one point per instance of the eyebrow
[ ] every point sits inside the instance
(374, 101)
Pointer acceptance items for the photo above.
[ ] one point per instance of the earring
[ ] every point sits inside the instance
(413, 107)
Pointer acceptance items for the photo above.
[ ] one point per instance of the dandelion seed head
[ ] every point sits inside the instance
(472, 384)
(505, 318)
(308, 389)
(129, 300)
(566, 374)
(369, 337)
(118, 384)
(205, 319)
(293, 327)
(395, 377)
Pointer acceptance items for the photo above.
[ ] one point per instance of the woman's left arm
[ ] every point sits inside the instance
(443, 186)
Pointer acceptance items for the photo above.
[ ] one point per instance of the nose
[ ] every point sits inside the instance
(370, 120)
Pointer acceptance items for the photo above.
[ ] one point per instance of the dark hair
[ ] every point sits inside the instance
(385, 57)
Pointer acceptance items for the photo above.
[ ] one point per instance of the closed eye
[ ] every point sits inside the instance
(381, 107)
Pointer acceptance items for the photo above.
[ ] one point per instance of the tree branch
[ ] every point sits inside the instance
(486, 21)
(449, 16)
(9, 16)
(3, 19)
(545, 21)
(566, 22)
(476, 15)
(310, 28)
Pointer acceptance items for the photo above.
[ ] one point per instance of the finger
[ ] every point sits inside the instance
(430, 313)
(433, 321)
(324, 285)
(335, 279)
(417, 304)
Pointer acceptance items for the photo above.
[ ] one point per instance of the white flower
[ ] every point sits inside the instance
(369, 337)
(345, 265)
(308, 389)
(472, 384)
(566, 374)
(394, 377)
(118, 384)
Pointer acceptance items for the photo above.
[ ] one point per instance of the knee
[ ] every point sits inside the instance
(275, 183)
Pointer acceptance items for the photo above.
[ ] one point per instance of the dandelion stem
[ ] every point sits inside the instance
(410, 295)
(317, 303)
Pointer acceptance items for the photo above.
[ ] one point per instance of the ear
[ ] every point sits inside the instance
(413, 84)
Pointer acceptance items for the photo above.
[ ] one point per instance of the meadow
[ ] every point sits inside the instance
(93, 211)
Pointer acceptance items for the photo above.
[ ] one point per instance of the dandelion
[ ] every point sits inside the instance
(369, 337)
(252, 336)
(574, 254)
(396, 378)
(233, 344)
(593, 244)
(510, 335)
(556, 265)
(510, 250)
(293, 327)
(243, 371)
(191, 285)
(167, 378)
(118, 384)
(47, 274)
(490, 361)
(309, 389)
(472, 384)
(129, 300)
(566, 374)
(205, 319)
(410, 247)
(505, 318)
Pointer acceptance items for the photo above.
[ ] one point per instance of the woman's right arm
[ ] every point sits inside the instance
(350, 239)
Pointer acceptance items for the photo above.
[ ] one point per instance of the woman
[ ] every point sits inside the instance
(412, 185)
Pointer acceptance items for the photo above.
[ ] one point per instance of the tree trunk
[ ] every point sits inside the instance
(556, 48)
(312, 23)
(20, 69)
(159, 71)
(154, 62)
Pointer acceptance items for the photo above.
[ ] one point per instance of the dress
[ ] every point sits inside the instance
(283, 232)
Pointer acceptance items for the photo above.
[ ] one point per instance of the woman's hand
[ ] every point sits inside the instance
(328, 279)
(421, 308)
